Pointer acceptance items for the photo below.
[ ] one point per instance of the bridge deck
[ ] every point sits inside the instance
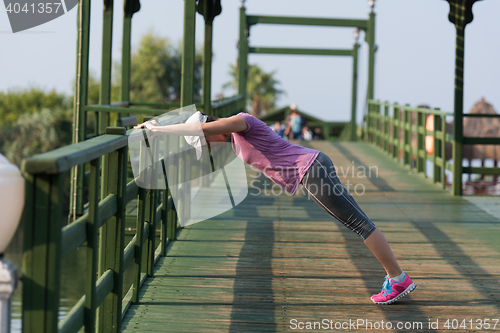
(277, 258)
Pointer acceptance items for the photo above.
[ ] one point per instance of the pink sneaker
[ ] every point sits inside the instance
(392, 290)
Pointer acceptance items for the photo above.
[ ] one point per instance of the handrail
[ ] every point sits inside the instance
(125, 107)
(390, 126)
(47, 241)
(226, 101)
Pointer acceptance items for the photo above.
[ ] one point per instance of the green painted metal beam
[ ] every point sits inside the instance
(482, 170)
(112, 239)
(188, 52)
(315, 21)
(458, 148)
(354, 93)
(300, 51)
(90, 304)
(243, 54)
(106, 63)
(460, 15)
(129, 8)
(207, 67)
(480, 141)
(81, 88)
(371, 56)
(209, 9)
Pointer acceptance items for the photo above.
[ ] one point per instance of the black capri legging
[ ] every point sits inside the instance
(325, 188)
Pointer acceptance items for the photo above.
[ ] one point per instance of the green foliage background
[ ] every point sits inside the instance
(34, 121)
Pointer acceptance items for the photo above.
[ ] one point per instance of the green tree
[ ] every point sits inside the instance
(155, 73)
(17, 102)
(262, 88)
(35, 133)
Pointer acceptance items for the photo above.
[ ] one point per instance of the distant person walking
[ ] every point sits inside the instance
(295, 122)
(306, 133)
(278, 129)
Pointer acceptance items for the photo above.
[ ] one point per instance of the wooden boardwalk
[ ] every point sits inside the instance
(275, 258)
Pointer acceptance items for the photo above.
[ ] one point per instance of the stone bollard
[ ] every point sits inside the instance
(11, 207)
(9, 275)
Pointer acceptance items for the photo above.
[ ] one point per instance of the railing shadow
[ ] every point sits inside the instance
(253, 307)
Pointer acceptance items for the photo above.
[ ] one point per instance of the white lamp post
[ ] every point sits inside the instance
(11, 207)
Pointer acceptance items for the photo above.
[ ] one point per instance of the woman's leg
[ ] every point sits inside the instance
(377, 243)
(327, 191)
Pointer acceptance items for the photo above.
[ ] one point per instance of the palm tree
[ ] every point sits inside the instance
(262, 90)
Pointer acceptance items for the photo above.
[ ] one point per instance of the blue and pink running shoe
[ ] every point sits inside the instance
(392, 290)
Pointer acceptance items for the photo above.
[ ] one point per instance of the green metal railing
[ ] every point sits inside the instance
(391, 127)
(101, 230)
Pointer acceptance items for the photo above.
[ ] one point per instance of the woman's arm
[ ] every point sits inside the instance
(224, 126)
(220, 126)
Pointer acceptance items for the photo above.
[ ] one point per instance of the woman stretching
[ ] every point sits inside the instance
(289, 165)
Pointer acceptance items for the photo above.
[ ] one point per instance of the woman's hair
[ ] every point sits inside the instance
(210, 118)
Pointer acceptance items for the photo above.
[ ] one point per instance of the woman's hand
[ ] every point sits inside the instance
(151, 125)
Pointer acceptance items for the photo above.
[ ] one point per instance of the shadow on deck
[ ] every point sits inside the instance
(275, 258)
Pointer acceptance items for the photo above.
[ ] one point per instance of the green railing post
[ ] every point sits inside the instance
(164, 221)
(187, 78)
(458, 112)
(173, 172)
(397, 131)
(436, 149)
(386, 127)
(371, 55)
(151, 213)
(354, 90)
(188, 53)
(367, 122)
(460, 15)
(81, 89)
(378, 124)
(406, 139)
(112, 234)
(209, 9)
(147, 263)
(129, 8)
(164, 206)
(42, 252)
(421, 143)
(92, 248)
(107, 42)
(207, 68)
(243, 53)
(443, 150)
(141, 214)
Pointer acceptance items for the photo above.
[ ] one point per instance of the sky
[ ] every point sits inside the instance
(415, 59)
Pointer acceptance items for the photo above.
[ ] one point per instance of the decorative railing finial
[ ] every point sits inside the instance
(242, 3)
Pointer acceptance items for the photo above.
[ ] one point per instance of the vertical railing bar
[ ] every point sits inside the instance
(53, 285)
(92, 249)
(443, 151)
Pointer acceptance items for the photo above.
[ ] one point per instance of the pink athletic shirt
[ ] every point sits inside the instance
(282, 162)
